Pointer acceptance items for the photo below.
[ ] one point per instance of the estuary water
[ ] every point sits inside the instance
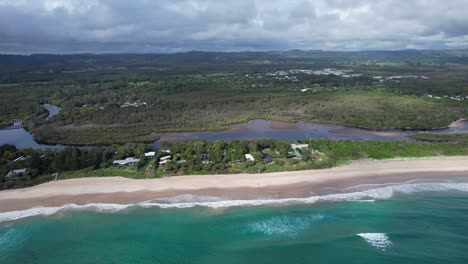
(23, 139)
(258, 129)
(266, 129)
(412, 223)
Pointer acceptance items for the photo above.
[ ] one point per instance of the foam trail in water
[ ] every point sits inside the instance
(285, 225)
(378, 240)
(371, 194)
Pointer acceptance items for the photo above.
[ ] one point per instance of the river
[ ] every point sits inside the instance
(267, 129)
(257, 129)
(23, 139)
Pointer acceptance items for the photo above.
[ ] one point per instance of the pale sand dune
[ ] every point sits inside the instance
(119, 189)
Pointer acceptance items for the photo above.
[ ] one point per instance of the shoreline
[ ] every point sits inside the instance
(275, 185)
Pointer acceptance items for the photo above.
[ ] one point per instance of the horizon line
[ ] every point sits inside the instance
(240, 51)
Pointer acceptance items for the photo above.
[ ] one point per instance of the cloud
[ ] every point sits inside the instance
(68, 26)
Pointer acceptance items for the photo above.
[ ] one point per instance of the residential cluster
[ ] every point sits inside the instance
(289, 75)
(218, 158)
(455, 98)
(326, 71)
(382, 79)
(132, 104)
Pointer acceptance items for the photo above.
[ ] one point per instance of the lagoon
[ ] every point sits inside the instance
(259, 129)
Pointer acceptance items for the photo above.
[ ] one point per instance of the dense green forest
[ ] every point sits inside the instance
(202, 157)
(119, 98)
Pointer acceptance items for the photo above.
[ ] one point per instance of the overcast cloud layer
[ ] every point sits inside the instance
(74, 26)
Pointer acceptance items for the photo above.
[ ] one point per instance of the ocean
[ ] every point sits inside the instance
(407, 223)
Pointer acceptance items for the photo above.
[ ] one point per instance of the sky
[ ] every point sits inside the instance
(143, 26)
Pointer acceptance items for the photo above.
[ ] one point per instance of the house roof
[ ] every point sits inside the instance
(21, 158)
(300, 146)
(15, 173)
(249, 157)
(150, 154)
(165, 158)
(126, 161)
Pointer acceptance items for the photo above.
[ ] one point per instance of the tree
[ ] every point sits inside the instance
(35, 163)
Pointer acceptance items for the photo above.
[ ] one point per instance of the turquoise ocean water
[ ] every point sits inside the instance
(422, 223)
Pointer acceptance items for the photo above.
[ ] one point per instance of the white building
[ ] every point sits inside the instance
(249, 157)
(299, 146)
(165, 158)
(150, 154)
(163, 162)
(127, 161)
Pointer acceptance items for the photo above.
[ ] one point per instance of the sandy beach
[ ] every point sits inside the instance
(234, 186)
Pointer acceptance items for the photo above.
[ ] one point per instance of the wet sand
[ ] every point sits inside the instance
(234, 186)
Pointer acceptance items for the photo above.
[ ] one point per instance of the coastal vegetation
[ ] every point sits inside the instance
(455, 138)
(114, 99)
(202, 157)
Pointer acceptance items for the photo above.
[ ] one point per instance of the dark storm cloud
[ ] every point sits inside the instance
(67, 26)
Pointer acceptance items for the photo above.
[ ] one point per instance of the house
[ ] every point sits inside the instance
(150, 154)
(21, 158)
(249, 157)
(267, 150)
(268, 159)
(127, 161)
(299, 146)
(294, 154)
(164, 162)
(182, 161)
(165, 158)
(204, 158)
(14, 175)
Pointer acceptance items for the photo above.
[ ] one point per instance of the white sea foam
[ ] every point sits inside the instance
(47, 211)
(186, 198)
(367, 195)
(191, 201)
(285, 225)
(365, 201)
(378, 240)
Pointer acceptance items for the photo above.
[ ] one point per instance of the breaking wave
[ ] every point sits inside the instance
(188, 201)
(47, 211)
